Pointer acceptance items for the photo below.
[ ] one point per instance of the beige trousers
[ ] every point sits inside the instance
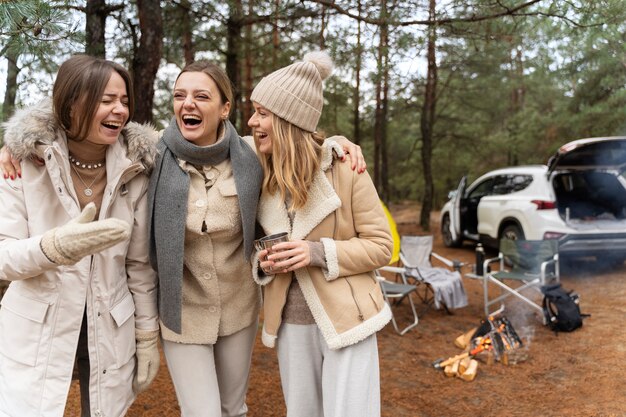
(212, 380)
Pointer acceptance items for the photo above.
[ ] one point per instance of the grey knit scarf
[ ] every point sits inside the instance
(167, 204)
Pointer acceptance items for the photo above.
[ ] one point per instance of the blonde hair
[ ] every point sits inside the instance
(294, 160)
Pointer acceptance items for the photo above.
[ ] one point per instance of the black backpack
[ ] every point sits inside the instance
(561, 309)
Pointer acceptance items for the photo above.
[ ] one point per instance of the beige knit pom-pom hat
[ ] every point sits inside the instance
(294, 93)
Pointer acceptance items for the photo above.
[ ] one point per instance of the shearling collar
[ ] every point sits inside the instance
(34, 126)
(322, 200)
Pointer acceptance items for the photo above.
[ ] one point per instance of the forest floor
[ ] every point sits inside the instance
(567, 374)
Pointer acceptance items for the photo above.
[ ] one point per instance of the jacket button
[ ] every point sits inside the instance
(212, 309)
(49, 157)
(206, 276)
(104, 372)
(200, 203)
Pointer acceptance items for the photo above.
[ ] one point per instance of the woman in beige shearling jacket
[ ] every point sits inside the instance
(114, 289)
(344, 214)
(322, 302)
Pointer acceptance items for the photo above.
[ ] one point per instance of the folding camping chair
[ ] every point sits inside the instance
(524, 265)
(437, 286)
(394, 293)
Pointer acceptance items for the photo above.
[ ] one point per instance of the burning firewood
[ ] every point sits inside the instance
(495, 336)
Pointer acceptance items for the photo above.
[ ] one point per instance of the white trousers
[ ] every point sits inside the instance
(212, 380)
(319, 382)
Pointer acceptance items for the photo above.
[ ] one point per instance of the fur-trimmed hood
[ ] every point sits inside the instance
(34, 126)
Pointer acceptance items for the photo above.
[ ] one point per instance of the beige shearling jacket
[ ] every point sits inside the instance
(42, 310)
(344, 213)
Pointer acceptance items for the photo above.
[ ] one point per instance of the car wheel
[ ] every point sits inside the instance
(446, 234)
(513, 232)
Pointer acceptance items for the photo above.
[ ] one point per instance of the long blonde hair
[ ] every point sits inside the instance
(295, 157)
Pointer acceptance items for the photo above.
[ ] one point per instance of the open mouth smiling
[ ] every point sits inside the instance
(191, 120)
(112, 125)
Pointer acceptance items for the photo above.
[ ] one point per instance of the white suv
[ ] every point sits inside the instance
(579, 198)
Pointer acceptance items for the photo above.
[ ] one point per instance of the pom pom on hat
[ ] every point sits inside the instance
(294, 93)
(322, 62)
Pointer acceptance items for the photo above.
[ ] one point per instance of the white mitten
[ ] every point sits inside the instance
(148, 359)
(68, 244)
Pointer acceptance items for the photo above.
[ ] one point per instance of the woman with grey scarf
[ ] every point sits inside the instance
(203, 200)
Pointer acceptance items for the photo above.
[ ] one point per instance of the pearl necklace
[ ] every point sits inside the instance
(91, 165)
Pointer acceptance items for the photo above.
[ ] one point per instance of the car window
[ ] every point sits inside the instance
(519, 182)
(510, 183)
(500, 185)
(481, 190)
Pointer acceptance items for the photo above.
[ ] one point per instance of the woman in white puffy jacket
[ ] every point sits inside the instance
(73, 244)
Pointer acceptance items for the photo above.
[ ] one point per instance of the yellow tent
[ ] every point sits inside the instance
(395, 256)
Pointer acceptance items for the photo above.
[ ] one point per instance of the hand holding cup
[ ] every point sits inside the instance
(289, 256)
(265, 245)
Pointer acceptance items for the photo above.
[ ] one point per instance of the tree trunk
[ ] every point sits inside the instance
(187, 28)
(233, 42)
(323, 27)
(357, 89)
(275, 35)
(384, 112)
(427, 121)
(380, 117)
(248, 75)
(147, 57)
(11, 85)
(517, 98)
(96, 14)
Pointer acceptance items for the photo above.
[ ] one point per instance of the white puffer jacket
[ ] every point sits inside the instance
(42, 310)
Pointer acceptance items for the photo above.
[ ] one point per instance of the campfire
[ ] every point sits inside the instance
(495, 336)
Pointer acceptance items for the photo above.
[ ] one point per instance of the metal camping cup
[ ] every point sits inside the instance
(268, 241)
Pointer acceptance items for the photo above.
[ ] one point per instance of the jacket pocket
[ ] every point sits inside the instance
(224, 211)
(123, 314)
(21, 326)
(227, 187)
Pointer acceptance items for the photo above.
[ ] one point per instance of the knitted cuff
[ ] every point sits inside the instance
(49, 248)
(144, 335)
(318, 257)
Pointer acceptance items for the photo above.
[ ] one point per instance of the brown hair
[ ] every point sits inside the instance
(295, 158)
(80, 83)
(217, 74)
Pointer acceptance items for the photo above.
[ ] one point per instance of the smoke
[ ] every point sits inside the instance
(521, 354)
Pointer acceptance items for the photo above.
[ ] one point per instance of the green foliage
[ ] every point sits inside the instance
(510, 90)
(34, 26)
